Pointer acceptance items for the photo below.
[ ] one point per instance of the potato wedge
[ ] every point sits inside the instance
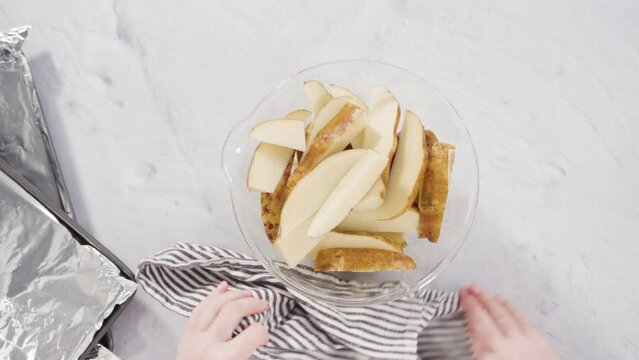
(397, 239)
(325, 115)
(374, 198)
(367, 221)
(267, 166)
(339, 91)
(381, 131)
(429, 139)
(360, 240)
(311, 192)
(282, 132)
(296, 244)
(434, 192)
(269, 161)
(334, 137)
(272, 204)
(348, 192)
(317, 95)
(407, 169)
(299, 114)
(362, 260)
(358, 141)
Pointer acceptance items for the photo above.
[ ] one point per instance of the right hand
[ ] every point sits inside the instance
(498, 331)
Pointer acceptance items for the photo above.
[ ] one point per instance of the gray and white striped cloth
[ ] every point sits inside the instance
(427, 324)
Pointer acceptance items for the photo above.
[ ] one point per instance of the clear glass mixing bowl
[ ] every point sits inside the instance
(437, 113)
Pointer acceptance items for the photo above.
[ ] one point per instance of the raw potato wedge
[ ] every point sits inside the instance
(317, 95)
(383, 120)
(295, 246)
(362, 260)
(338, 91)
(367, 221)
(381, 131)
(305, 115)
(434, 192)
(396, 238)
(307, 132)
(407, 169)
(283, 132)
(358, 141)
(325, 115)
(311, 192)
(374, 198)
(360, 240)
(267, 167)
(299, 114)
(429, 139)
(386, 173)
(334, 137)
(269, 161)
(347, 193)
(272, 205)
(340, 186)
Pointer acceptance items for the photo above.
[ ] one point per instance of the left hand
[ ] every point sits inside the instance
(208, 334)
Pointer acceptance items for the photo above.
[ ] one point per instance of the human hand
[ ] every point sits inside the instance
(208, 333)
(498, 331)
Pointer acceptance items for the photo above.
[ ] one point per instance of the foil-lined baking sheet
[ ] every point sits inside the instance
(24, 137)
(54, 292)
(35, 323)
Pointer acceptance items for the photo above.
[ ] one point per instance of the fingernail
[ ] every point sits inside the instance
(222, 284)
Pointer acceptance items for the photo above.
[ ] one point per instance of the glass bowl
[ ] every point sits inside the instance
(437, 113)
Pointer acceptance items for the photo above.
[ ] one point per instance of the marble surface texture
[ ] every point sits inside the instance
(140, 95)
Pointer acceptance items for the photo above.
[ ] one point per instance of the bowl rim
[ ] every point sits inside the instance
(273, 270)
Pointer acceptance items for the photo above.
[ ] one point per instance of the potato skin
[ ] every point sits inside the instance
(434, 192)
(362, 260)
(272, 204)
(398, 242)
(346, 124)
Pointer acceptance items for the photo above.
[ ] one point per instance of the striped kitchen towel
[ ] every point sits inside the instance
(427, 324)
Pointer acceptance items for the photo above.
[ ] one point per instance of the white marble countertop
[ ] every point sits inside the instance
(140, 95)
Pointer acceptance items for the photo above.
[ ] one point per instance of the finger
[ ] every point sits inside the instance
(521, 321)
(500, 315)
(212, 307)
(197, 311)
(231, 315)
(482, 331)
(244, 344)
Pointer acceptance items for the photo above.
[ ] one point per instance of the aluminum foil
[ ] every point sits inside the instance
(54, 292)
(105, 354)
(24, 137)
